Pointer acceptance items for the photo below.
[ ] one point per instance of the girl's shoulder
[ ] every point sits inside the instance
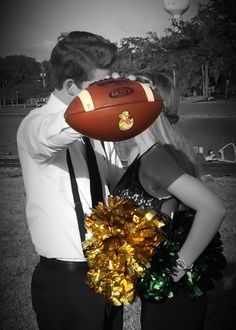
(162, 164)
(161, 155)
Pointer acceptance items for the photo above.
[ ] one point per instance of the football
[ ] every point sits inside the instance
(114, 109)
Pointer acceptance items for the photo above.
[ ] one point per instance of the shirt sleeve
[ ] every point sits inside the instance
(161, 166)
(44, 134)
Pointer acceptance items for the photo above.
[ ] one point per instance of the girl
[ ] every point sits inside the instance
(161, 175)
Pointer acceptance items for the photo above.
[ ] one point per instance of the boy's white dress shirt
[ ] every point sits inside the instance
(42, 139)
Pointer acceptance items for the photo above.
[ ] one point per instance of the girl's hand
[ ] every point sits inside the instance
(178, 274)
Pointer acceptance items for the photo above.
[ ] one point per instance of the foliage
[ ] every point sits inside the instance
(201, 52)
(137, 53)
(217, 28)
(20, 78)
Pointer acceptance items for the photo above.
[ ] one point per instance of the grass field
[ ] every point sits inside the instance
(18, 260)
(207, 124)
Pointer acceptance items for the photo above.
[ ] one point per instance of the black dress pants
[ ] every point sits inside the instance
(63, 301)
(179, 312)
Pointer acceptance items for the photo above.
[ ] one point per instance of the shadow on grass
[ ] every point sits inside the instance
(221, 313)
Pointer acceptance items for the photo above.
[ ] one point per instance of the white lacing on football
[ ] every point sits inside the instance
(148, 91)
(86, 100)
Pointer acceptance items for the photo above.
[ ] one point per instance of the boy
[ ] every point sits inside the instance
(49, 149)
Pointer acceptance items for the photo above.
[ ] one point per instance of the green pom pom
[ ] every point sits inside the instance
(157, 283)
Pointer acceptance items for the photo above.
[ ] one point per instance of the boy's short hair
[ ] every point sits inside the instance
(77, 53)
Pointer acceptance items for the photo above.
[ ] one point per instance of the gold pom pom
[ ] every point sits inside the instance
(124, 239)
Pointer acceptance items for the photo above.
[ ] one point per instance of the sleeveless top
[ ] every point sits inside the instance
(163, 163)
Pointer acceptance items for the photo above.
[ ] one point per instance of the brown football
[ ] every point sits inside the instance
(114, 109)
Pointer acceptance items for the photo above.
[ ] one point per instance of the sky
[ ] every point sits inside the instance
(31, 27)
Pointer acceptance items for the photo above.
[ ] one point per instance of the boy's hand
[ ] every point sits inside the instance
(116, 75)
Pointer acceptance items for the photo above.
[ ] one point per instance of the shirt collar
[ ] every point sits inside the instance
(55, 104)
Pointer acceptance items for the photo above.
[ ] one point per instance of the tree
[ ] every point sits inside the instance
(20, 78)
(198, 53)
(217, 45)
(136, 54)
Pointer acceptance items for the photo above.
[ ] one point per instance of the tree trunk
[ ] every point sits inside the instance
(203, 81)
(174, 77)
(205, 78)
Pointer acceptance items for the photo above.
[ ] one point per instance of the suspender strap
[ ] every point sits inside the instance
(95, 179)
(95, 184)
(78, 206)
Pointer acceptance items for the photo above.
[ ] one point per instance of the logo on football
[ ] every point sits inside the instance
(120, 92)
(125, 122)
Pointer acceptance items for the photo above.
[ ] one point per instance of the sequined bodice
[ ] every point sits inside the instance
(130, 188)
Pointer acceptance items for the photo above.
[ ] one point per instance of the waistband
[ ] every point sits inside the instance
(68, 266)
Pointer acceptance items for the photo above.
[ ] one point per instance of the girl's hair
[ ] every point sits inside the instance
(77, 53)
(164, 130)
(163, 84)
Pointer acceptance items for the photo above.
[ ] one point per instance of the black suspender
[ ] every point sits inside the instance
(95, 184)
(78, 206)
(95, 179)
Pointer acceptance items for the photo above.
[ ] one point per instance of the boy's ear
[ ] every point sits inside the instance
(70, 87)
